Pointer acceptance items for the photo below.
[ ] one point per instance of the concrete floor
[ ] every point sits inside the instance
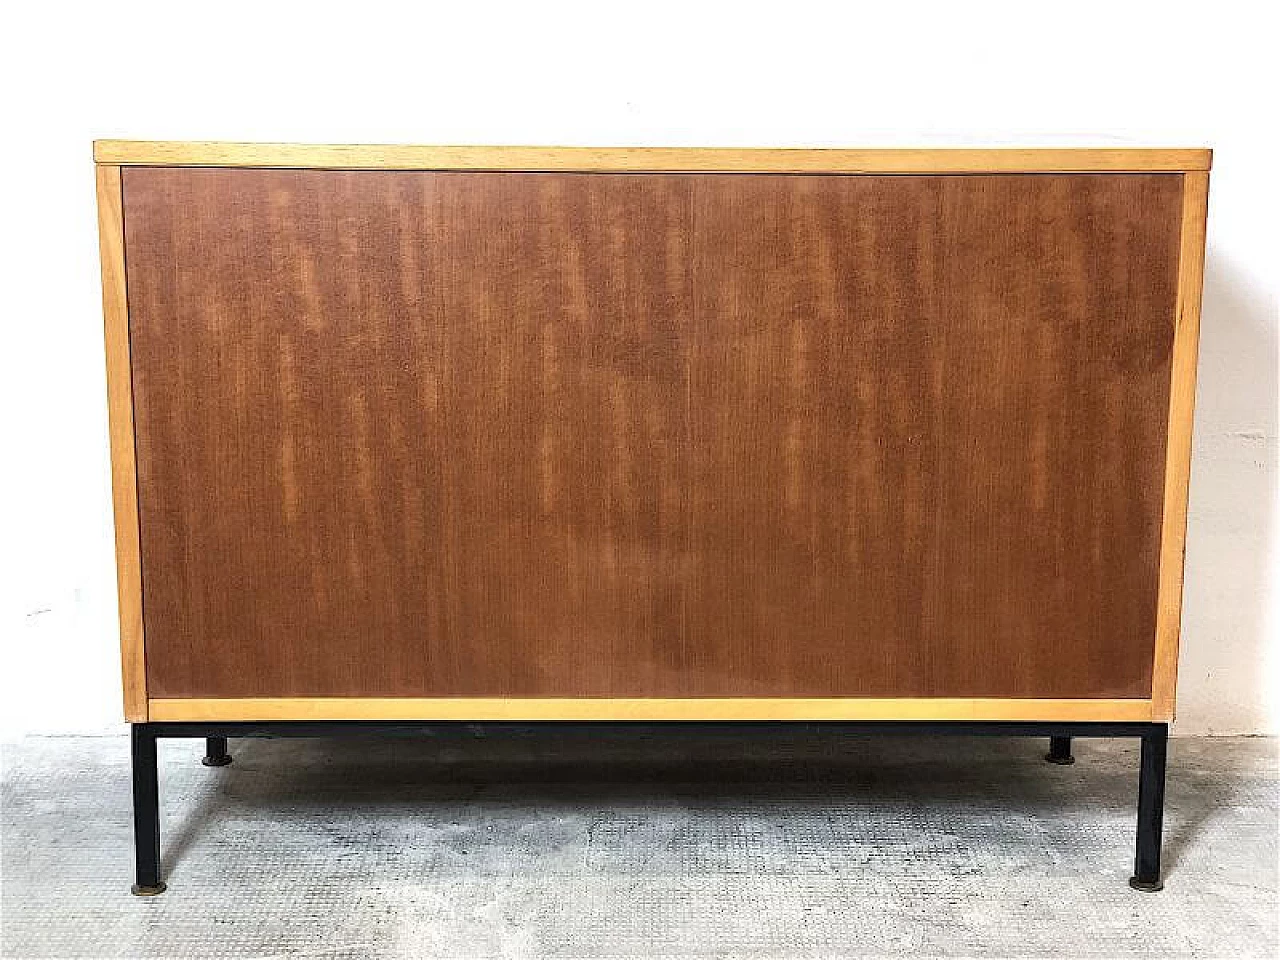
(695, 843)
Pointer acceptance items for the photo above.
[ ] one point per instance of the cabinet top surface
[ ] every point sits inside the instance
(652, 159)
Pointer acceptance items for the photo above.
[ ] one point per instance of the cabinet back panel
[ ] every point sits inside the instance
(639, 435)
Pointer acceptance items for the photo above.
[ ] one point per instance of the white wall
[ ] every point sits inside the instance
(653, 73)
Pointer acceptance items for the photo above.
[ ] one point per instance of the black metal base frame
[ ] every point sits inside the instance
(146, 792)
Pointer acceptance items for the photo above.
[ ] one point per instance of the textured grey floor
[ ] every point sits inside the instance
(692, 844)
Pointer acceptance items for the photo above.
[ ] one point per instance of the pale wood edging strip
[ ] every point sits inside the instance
(124, 491)
(1182, 399)
(649, 159)
(516, 708)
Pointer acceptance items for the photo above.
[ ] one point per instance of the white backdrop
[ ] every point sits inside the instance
(791, 74)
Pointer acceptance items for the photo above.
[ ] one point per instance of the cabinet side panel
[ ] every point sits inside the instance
(1182, 398)
(571, 435)
(115, 311)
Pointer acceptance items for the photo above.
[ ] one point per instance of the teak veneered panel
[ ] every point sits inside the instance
(935, 451)
(563, 435)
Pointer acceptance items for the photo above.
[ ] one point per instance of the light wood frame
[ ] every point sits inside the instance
(656, 708)
(112, 155)
(1182, 399)
(124, 482)
(649, 159)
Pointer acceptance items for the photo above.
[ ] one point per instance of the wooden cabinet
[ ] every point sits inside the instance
(428, 433)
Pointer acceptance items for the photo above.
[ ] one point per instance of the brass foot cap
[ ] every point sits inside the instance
(1146, 886)
(142, 890)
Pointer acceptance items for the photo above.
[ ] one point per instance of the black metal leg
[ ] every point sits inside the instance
(146, 815)
(215, 752)
(1060, 751)
(146, 812)
(1146, 864)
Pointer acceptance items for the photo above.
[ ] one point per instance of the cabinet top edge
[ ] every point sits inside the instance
(652, 159)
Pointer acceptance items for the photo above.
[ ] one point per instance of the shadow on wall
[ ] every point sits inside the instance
(1226, 675)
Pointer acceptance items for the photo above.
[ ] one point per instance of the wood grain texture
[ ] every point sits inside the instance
(1182, 398)
(650, 159)
(124, 496)
(707, 709)
(665, 436)
(928, 431)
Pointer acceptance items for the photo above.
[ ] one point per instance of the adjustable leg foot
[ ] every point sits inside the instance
(215, 752)
(1060, 751)
(1154, 886)
(146, 812)
(1146, 865)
